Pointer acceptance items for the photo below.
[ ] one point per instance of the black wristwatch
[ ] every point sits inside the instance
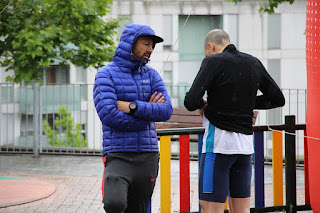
(133, 107)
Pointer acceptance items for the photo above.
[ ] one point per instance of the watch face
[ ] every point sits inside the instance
(132, 105)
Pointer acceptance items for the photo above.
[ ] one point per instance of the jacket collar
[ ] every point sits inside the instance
(230, 48)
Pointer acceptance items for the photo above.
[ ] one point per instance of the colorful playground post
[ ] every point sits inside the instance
(313, 100)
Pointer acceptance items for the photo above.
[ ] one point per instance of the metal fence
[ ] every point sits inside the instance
(61, 119)
(50, 118)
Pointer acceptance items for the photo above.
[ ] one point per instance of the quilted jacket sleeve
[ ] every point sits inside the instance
(105, 100)
(155, 111)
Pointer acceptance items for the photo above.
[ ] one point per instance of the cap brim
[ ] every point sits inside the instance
(155, 39)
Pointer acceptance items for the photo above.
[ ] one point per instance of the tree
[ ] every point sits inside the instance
(37, 33)
(63, 123)
(269, 5)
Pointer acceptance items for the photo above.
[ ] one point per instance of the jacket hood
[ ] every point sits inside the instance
(131, 32)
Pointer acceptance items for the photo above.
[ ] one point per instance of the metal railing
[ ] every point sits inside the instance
(259, 185)
(73, 102)
(295, 104)
(46, 119)
(49, 119)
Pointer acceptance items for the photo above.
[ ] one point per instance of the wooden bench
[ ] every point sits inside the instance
(181, 118)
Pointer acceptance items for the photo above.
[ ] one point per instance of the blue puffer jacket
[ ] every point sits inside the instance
(129, 79)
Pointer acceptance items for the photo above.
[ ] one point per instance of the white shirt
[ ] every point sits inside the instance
(216, 140)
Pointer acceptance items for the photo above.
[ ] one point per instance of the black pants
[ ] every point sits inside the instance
(129, 180)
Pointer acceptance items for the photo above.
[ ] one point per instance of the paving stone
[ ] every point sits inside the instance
(78, 188)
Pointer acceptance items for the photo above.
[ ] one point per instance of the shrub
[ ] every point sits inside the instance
(64, 133)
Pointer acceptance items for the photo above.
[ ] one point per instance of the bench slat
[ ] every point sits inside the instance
(185, 119)
(181, 118)
(184, 111)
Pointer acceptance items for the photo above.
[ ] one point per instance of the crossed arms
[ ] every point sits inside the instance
(114, 113)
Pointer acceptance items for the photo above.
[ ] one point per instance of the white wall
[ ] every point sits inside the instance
(293, 55)
(294, 74)
(293, 31)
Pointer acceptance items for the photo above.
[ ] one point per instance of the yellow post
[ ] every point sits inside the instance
(277, 167)
(165, 172)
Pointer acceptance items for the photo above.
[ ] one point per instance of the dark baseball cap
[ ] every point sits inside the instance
(155, 39)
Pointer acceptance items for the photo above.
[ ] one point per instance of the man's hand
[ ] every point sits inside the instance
(254, 118)
(123, 106)
(202, 109)
(156, 98)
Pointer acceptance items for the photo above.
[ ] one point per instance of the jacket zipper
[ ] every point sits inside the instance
(143, 93)
(138, 88)
(139, 94)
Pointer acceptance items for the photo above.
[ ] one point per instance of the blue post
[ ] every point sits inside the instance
(259, 169)
(149, 208)
(200, 139)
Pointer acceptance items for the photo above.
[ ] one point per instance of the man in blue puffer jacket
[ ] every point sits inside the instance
(129, 97)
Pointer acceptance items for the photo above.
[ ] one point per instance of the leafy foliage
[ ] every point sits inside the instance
(64, 124)
(35, 34)
(269, 5)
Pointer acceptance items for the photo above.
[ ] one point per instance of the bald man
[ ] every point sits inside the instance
(231, 79)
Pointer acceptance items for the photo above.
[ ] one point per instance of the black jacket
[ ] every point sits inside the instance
(232, 79)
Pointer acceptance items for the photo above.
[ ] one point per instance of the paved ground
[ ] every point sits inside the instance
(14, 191)
(78, 183)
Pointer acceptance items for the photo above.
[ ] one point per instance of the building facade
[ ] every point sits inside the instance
(278, 40)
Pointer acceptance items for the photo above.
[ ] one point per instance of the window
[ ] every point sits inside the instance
(168, 77)
(191, 41)
(7, 93)
(274, 31)
(57, 74)
(26, 125)
(274, 69)
(230, 25)
(167, 35)
(81, 75)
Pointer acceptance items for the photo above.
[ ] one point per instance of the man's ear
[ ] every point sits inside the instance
(212, 47)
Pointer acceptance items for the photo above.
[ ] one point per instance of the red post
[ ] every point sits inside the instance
(313, 100)
(184, 173)
(306, 171)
